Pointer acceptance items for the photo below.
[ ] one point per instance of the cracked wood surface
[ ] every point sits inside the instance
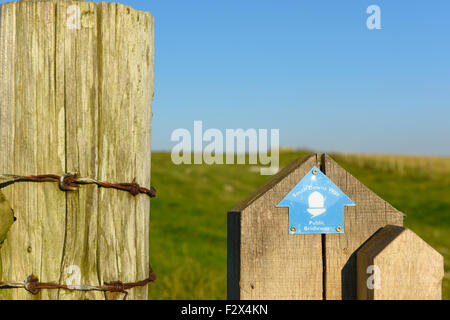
(76, 100)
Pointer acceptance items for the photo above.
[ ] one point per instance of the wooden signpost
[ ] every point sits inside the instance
(76, 90)
(395, 264)
(267, 261)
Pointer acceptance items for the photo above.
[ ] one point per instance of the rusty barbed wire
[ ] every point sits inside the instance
(71, 182)
(33, 286)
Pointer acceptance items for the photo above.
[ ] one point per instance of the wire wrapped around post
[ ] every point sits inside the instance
(33, 286)
(70, 182)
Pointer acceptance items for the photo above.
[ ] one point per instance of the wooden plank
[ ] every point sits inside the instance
(274, 264)
(8, 48)
(407, 268)
(50, 132)
(77, 72)
(30, 115)
(79, 102)
(361, 222)
(124, 119)
(142, 52)
(234, 255)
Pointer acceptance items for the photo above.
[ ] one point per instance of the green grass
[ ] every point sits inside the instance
(188, 225)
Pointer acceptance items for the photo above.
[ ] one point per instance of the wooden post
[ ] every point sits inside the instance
(361, 221)
(266, 262)
(396, 264)
(76, 88)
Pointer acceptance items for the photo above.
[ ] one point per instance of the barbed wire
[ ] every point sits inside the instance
(33, 286)
(71, 182)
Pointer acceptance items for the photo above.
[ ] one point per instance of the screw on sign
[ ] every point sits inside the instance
(316, 205)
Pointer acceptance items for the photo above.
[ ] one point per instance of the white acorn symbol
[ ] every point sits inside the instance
(316, 203)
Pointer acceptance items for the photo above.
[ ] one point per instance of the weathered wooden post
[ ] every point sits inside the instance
(76, 88)
(396, 264)
(297, 236)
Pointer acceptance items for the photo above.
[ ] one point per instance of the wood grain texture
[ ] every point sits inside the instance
(76, 100)
(369, 215)
(272, 263)
(8, 46)
(265, 262)
(409, 269)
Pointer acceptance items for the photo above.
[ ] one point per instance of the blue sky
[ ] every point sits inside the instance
(309, 68)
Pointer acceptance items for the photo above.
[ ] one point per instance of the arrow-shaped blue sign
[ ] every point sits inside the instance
(316, 205)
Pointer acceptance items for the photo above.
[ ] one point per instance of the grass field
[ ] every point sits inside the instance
(188, 223)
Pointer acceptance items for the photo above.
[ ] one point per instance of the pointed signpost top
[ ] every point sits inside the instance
(316, 205)
(266, 261)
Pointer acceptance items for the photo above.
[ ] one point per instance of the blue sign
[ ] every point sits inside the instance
(316, 205)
